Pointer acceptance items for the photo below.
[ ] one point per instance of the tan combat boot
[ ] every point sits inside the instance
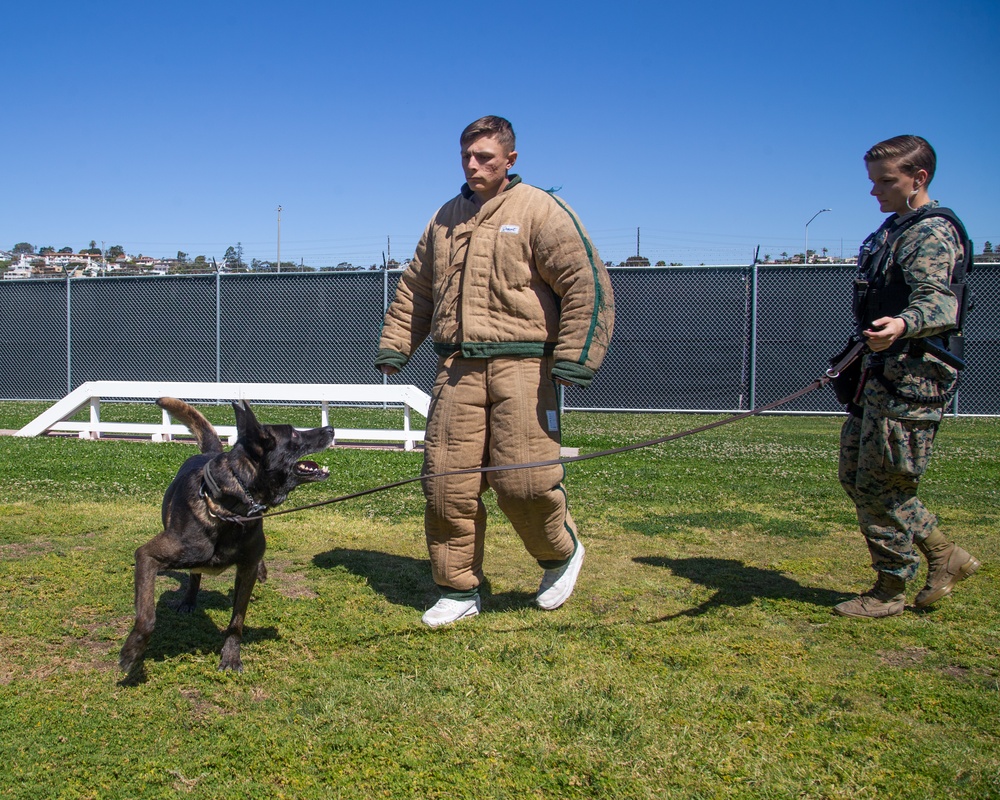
(947, 564)
(885, 599)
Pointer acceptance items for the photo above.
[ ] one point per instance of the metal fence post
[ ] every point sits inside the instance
(218, 326)
(753, 333)
(69, 336)
(385, 306)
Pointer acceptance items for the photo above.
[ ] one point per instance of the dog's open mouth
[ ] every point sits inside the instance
(311, 471)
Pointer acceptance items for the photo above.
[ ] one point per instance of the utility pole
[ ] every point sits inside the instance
(279, 238)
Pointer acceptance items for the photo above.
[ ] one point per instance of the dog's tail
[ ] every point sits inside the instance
(208, 440)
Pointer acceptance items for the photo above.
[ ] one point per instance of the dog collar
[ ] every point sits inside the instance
(211, 492)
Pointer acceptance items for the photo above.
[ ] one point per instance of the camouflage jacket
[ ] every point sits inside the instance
(917, 385)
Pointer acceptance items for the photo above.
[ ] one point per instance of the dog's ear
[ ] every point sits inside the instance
(254, 438)
(244, 414)
(246, 421)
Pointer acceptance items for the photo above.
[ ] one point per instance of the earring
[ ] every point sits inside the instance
(909, 197)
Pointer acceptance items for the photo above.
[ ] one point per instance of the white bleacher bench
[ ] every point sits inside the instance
(91, 393)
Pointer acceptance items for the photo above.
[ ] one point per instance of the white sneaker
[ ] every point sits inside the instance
(446, 610)
(557, 584)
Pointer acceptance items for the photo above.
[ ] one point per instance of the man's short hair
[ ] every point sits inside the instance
(489, 126)
(912, 153)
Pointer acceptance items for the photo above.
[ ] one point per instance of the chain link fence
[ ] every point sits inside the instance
(721, 338)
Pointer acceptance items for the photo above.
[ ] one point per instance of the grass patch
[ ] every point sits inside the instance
(698, 657)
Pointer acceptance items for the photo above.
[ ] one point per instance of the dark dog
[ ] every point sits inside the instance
(201, 531)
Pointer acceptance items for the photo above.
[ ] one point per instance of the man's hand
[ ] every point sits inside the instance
(388, 369)
(884, 332)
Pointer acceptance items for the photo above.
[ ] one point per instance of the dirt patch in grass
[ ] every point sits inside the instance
(286, 580)
(18, 550)
(913, 656)
(907, 657)
(203, 708)
(955, 671)
(38, 661)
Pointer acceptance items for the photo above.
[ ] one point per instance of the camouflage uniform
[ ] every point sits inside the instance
(884, 451)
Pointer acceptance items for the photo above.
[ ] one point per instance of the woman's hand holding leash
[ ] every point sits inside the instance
(883, 333)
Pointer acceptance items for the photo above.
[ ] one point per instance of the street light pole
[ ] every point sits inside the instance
(805, 255)
(279, 238)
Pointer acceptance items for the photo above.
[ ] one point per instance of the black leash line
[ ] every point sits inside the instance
(831, 373)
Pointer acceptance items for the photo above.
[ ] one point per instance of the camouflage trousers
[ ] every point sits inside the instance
(881, 461)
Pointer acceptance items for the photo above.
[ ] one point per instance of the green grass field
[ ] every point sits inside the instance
(698, 657)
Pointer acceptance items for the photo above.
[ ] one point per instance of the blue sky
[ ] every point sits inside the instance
(711, 127)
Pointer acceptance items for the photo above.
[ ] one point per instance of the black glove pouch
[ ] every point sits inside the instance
(845, 385)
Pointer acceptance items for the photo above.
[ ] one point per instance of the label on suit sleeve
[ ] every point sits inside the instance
(553, 418)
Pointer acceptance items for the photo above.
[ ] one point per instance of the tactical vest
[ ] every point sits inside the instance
(875, 295)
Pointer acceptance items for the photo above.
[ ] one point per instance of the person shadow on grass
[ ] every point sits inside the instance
(404, 581)
(736, 584)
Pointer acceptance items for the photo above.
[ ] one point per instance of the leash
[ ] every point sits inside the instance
(830, 374)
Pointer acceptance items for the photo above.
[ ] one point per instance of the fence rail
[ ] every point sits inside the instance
(720, 338)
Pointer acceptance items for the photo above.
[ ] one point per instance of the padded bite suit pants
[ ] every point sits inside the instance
(488, 412)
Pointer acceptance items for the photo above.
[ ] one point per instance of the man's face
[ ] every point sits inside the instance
(890, 186)
(486, 162)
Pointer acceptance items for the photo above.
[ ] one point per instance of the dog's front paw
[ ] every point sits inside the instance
(231, 656)
(132, 651)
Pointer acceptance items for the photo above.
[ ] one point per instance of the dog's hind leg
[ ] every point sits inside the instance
(190, 600)
(246, 579)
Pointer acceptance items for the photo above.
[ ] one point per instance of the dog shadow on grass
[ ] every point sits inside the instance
(178, 633)
(736, 584)
(406, 581)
